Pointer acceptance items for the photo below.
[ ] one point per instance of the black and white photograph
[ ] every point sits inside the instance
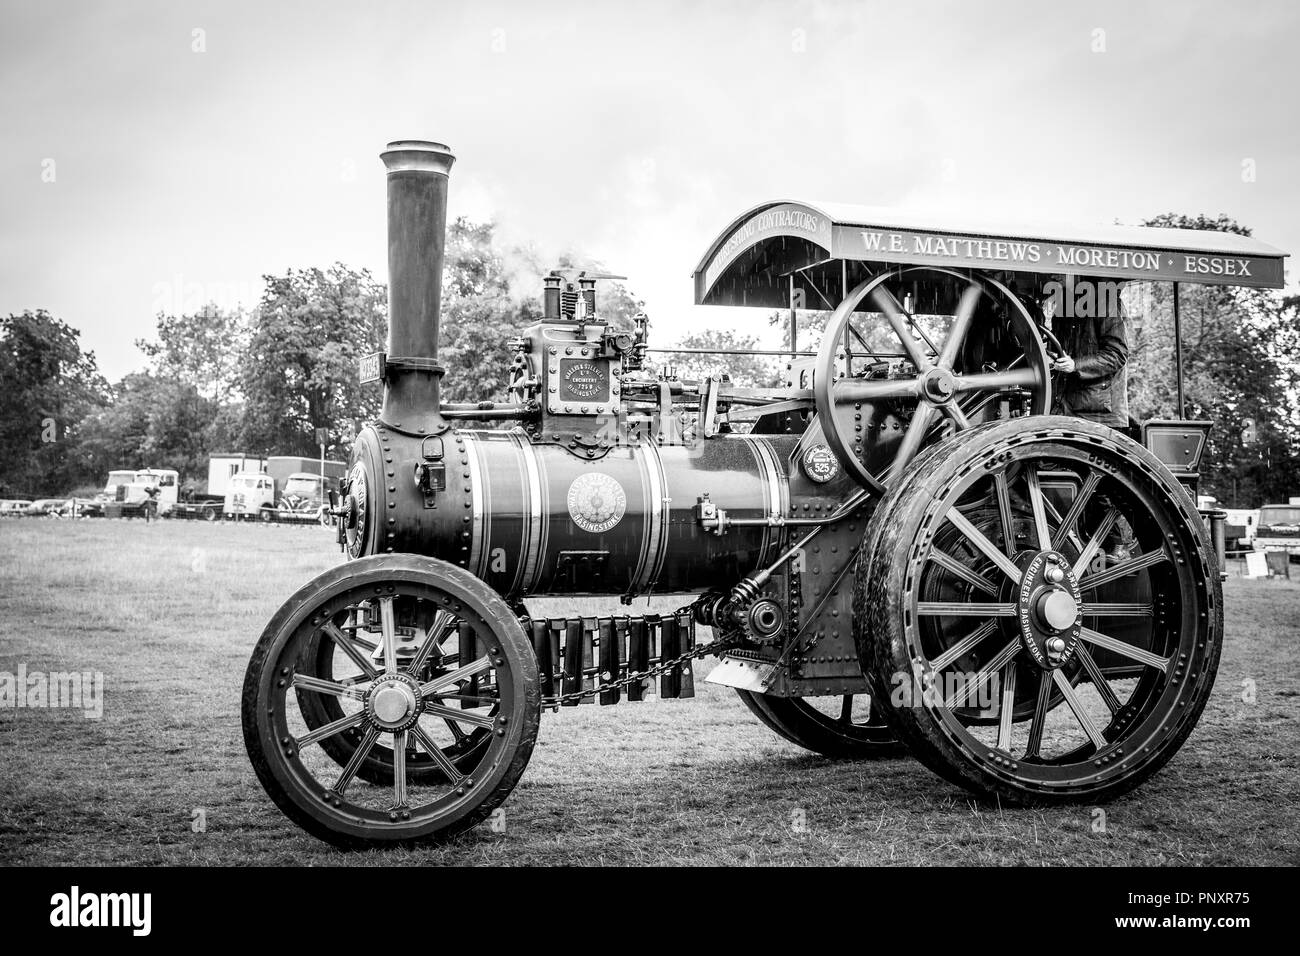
(650, 436)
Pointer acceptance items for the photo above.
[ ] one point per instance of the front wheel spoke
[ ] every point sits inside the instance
(437, 756)
(1034, 745)
(955, 567)
(964, 646)
(1098, 539)
(330, 729)
(1036, 504)
(1079, 710)
(1066, 525)
(459, 675)
(316, 685)
(1116, 610)
(345, 644)
(460, 716)
(977, 538)
(1124, 569)
(399, 770)
(963, 693)
(959, 609)
(846, 709)
(1007, 709)
(1125, 650)
(1098, 679)
(433, 638)
(354, 762)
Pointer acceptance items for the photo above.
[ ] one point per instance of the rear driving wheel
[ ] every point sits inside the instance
(847, 726)
(1043, 616)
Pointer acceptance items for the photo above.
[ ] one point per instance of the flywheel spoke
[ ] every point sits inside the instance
(875, 390)
(996, 381)
(961, 322)
(884, 300)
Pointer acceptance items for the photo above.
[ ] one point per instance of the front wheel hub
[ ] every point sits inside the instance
(394, 702)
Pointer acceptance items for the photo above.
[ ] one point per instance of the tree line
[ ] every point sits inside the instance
(264, 380)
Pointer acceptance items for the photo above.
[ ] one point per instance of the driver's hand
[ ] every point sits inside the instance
(1063, 363)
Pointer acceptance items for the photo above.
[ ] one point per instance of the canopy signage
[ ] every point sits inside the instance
(1036, 255)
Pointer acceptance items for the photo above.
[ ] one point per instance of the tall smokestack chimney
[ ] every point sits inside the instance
(417, 236)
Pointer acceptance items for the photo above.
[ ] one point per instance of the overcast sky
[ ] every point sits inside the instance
(186, 164)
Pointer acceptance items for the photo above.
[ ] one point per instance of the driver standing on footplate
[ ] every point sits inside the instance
(1090, 376)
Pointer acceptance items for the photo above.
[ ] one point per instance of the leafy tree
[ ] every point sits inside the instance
(755, 371)
(299, 372)
(49, 385)
(153, 422)
(204, 350)
(1241, 360)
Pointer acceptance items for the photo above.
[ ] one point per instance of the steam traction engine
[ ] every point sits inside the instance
(899, 548)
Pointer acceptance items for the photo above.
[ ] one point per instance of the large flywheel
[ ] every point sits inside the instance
(1040, 614)
(962, 351)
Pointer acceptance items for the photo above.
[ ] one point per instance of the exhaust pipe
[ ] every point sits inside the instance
(417, 237)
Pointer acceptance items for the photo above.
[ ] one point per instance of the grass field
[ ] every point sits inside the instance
(169, 612)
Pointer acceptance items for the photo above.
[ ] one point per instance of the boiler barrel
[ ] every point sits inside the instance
(534, 518)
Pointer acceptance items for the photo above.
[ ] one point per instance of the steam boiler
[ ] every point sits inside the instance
(899, 548)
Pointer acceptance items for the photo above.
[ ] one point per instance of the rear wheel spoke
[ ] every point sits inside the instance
(1036, 504)
(1006, 710)
(965, 609)
(964, 646)
(980, 541)
(1125, 650)
(1098, 679)
(1034, 745)
(1124, 569)
(1098, 539)
(1005, 517)
(1116, 610)
(981, 677)
(1066, 525)
(1078, 709)
(955, 567)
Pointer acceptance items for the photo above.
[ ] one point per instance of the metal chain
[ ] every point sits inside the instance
(700, 650)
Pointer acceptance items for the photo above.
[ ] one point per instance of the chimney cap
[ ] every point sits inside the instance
(418, 155)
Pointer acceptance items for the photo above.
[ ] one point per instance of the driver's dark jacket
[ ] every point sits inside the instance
(1097, 389)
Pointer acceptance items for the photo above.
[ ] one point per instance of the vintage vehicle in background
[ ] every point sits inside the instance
(129, 494)
(900, 548)
(14, 507)
(1279, 528)
(285, 490)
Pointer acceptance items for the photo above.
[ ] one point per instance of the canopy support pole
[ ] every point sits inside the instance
(794, 324)
(1178, 354)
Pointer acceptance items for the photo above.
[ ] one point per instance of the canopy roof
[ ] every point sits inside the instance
(779, 247)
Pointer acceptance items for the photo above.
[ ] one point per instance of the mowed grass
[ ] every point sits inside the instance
(169, 613)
